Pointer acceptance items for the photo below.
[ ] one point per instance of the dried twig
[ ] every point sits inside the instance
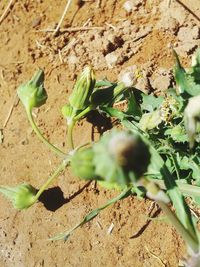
(14, 103)
(1, 136)
(73, 29)
(169, 3)
(188, 9)
(60, 56)
(156, 257)
(110, 25)
(110, 228)
(98, 4)
(87, 22)
(6, 11)
(62, 17)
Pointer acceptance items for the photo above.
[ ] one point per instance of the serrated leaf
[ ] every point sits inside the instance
(177, 133)
(151, 102)
(150, 120)
(174, 193)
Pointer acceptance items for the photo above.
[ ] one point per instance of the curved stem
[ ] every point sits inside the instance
(72, 124)
(83, 113)
(55, 174)
(42, 138)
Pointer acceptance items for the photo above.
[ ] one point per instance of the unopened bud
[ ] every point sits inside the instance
(84, 86)
(22, 196)
(129, 152)
(67, 112)
(32, 94)
(82, 164)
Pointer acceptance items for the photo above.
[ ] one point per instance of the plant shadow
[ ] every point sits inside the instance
(100, 122)
(53, 198)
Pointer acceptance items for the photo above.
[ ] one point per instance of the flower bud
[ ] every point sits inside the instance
(32, 94)
(67, 112)
(120, 157)
(79, 99)
(82, 164)
(22, 196)
(129, 152)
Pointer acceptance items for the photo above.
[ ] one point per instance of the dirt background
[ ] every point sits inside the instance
(116, 39)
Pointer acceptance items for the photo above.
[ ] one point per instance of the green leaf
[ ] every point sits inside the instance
(107, 96)
(190, 164)
(174, 193)
(177, 133)
(151, 102)
(91, 215)
(133, 107)
(186, 82)
(150, 120)
(104, 83)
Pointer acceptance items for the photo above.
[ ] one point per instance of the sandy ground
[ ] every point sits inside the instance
(106, 36)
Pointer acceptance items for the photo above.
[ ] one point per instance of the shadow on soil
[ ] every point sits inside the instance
(53, 198)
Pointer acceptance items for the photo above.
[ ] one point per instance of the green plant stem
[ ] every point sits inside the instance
(42, 138)
(83, 113)
(91, 215)
(55, 174)
(70, 141)
(186, 189)
(193, 244)
(71, 125)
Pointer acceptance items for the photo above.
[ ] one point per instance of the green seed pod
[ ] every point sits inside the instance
(22, 196)
(32, 94)
(82, 164)
(79, 99)
(67, 112)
